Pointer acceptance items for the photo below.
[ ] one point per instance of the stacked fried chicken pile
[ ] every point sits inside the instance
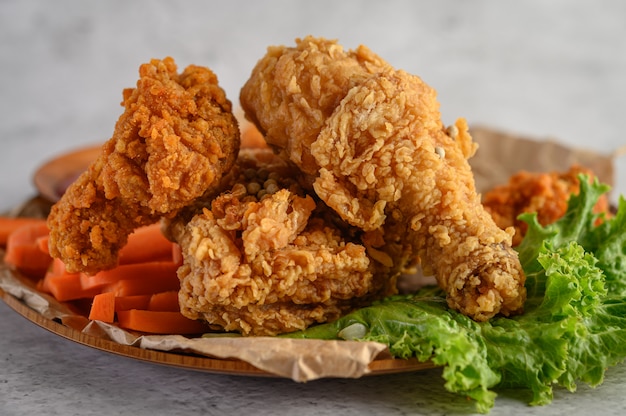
(361, 182)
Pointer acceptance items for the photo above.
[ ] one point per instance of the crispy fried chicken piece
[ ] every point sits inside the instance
(546, 193)
(176, 137)
(263, 258)
(382, 159)
(307, 83)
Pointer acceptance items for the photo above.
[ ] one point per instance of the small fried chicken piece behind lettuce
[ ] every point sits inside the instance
(546, 193)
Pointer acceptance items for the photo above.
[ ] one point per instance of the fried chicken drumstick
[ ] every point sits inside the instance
(372, 139)
(262, 257)
(176, 137)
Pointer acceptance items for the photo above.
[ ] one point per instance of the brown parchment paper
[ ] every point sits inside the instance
(502, 154)
(298, 359)
(499, 156)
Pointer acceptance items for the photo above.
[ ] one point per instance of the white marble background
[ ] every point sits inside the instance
(549, 69)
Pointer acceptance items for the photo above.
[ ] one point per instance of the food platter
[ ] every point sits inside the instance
(160, 357)
(180, 359)
(51, 179)
(188, 361)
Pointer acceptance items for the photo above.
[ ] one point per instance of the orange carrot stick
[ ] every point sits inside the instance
(22, 250)
(42, 244)
(145, 286)
(148, 272)
(103, 308)
(57, 267)
(8, 225)
(177, 254)
(146, 244)
(159, 322)
(67, 286)
(164, 301)
(125, 303)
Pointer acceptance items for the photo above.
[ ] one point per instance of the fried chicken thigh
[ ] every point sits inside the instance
(262, 257)
(175, 139)
(372, 139)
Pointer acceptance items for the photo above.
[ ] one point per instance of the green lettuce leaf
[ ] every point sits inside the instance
(607, 241)
(576, 328)
(423, 327)
(573, 328)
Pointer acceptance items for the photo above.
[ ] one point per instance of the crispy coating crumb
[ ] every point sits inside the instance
(546, 193)
(263, 258)
(176, 137)
(381, 158)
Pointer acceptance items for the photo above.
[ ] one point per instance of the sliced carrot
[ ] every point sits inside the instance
(42, 244)
(142, 291)
(40, 286)
(22, 250)
(8, 225)
(164, 301)
(146, 244)
(67, 286)
(57, 267)
(177, 254)
(103, 308)
(147, 286)
(149, 272)
(159, 322)
(125, 303)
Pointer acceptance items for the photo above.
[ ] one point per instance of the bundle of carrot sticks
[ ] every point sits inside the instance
(139, 294)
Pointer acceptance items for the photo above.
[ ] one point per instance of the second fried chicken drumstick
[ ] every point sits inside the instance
(176, 137)
(372, 139)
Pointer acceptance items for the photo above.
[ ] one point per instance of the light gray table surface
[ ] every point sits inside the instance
(546, 69)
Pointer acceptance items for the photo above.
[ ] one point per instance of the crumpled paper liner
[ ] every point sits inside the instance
(500, 155)
(298, 359)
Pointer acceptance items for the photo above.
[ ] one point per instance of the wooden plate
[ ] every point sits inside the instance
(53, 177)
(188, 361)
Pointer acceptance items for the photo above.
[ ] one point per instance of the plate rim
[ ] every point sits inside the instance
(53, 171)
(186, 360)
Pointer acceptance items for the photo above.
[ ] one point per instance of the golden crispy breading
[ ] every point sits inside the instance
(176, 137)
(382, 158)
(545, 193)
(306, 84)
(264, 258)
